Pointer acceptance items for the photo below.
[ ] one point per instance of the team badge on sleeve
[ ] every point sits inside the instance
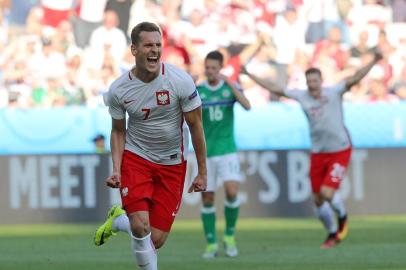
(162, 97)
(193, 95)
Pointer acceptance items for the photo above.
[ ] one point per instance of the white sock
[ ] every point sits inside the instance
(326, 216)
(144, 252)
(337, 204)
(122, 224)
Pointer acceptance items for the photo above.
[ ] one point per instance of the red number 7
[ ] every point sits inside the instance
(147, 111)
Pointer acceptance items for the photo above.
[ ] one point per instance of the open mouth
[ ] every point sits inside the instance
(152, 60)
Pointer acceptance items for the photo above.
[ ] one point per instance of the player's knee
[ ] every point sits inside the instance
(208, 198)
(318, 200)
(231, 195)
(140, 228)
(231, 190)
(327, 194)
(158, 242)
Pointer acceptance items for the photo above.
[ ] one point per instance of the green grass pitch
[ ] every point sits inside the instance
(265, 244)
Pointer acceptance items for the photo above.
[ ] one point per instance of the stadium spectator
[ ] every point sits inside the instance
(101, 80)
(18, 85)
(332, 48)
(399, 85)
(366, 12)
(357, 94)
(239, 23)
(398, 10)
(122, 8)
(400, 91)
(378, 92)
(196, 29)
(175, 50)
(146, 11)
(19, 10)
(189, 23)
(88, 16)
(108, 38)
(100, 143)
(321, 15)
(47, 62)
(63, 38)
(56, 11)
(50, 93)
(265, 11)
(4, 24)
(387, 49)
(288, 37)
(361, 47)
(34, 24)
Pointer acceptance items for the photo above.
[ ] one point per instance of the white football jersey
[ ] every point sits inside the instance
(327, 130)
(155, 128)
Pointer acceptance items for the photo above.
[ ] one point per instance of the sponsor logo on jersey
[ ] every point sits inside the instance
(128, 101)
(193, 95)
(162, 97)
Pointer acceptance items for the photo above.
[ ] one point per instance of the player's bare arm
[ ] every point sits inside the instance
(194, 121)
(117, 142)
(239, 96)
(267, 84)
(362, 72)
(249, 51)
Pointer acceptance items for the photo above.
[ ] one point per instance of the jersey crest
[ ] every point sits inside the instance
(162, 97)
(226, 94)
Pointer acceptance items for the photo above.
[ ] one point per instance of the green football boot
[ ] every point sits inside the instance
(230, 247)
(104, 232)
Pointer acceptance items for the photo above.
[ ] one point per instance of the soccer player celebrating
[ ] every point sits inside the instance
(148, 160)
(218, 96)
(331, 144)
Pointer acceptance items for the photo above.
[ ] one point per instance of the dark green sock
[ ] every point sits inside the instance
(231, 211)
(208, 215)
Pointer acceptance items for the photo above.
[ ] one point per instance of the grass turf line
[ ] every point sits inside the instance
(377, 242)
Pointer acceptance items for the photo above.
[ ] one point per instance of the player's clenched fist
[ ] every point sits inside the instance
(199, 184)
(114, 180)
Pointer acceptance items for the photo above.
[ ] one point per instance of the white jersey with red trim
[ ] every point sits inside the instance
(155, 126)
(327, 130)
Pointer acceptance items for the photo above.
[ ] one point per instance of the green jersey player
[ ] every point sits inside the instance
(218, 96)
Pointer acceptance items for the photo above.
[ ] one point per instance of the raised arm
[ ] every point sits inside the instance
(194, 121)
(117, 143)
(239, 96)
(249, 51)
(267, 84)
(362, 72)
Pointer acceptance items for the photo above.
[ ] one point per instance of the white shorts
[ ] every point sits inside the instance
(222, 169)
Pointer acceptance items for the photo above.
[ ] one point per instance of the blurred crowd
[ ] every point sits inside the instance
(67, 52)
